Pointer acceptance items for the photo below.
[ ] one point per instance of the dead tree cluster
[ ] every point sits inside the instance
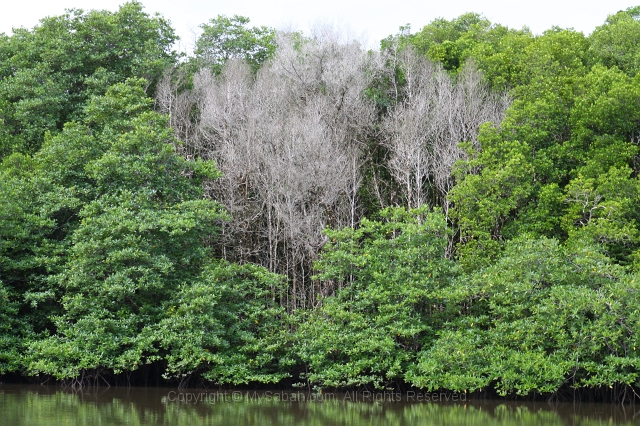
(433, 113)
(292, 143)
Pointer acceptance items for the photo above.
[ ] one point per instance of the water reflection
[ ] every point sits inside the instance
(26, 405)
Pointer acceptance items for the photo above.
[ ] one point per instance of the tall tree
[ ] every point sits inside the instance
(48, 73)
(225, 38)
(616, 42)
(126, 218)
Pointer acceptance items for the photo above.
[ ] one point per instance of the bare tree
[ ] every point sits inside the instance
(173, 99)
(288, 144)
(432, 116)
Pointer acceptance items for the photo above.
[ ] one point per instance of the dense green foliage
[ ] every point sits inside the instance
(386, 273)
(114, 263)
(541, 316)
(520, 278)
(225, 38)
(49, 72)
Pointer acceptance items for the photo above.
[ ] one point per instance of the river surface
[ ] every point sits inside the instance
(53, 405)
